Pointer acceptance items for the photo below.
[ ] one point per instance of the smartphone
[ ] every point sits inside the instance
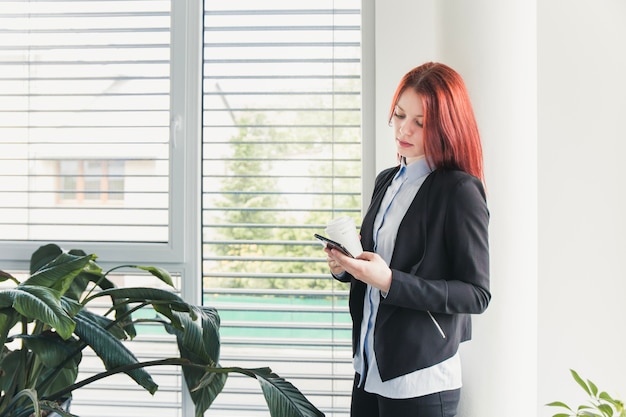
(331, 244)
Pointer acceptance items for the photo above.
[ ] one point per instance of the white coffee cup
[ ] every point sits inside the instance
(343, 230)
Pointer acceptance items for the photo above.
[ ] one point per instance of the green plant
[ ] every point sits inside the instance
(45, 324)
(600, 404)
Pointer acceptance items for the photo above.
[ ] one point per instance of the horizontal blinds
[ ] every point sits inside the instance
(84, 120)
(281, 157)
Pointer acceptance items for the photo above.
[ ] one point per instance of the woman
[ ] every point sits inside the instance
(425, 265)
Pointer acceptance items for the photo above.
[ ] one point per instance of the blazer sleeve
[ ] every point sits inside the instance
(466, 234)
(453, 276)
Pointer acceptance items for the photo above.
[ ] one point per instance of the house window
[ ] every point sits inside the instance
(93, 181)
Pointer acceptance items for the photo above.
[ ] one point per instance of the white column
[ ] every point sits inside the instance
(492, 43)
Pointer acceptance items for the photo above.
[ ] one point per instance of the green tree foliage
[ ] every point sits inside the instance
(268, 246)
(273, 181)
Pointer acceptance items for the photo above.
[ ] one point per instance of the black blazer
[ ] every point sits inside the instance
(440, 264)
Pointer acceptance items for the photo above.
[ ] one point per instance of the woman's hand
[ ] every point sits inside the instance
(368, 267)
(334, 266)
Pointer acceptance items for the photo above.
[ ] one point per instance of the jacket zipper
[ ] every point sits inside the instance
(436, 324)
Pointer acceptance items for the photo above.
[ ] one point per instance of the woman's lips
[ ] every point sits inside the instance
(403, 144)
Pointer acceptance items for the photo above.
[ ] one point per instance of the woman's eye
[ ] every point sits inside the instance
(418, 123)
(399, 116)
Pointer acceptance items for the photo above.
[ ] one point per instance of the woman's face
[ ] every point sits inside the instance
(408, 119)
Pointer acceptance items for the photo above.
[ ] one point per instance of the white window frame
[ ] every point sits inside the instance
(182, 253)
(185, 112)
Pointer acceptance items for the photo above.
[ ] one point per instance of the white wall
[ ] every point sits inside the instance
(400, 44)
(545, 80)
(582, 232)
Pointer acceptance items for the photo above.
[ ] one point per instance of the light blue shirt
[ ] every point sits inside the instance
(441, 377)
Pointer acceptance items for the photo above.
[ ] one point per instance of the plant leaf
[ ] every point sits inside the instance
(110, 350)
(52, 350)
(91, 273)
(210, 384)
(60, 272)
(283, 399)
(142, 294)
(606, 409)
(44, 255)
(11, 364)
(122, 297)
(8, 319)
(116, 329)
(558, 404)
(71, 306)
(160, 273)
(580, 381)
(62, 378)
(41, 303)
(32, 396)
(6, 276)
(198, 341)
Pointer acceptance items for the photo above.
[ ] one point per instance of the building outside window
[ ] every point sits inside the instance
(96, 181)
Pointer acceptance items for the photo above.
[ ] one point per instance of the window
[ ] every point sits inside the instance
(86, 159)
(81, 181)
(212, 143)
(281, 157)
(84, 119)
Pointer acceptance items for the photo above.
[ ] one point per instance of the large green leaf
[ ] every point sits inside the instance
(40, 303)
(72, 307)
(60, 272)
(59, 379)
(91, 273)
(160, 273)
(163, 301)
(11, 366)
(283, 399)
(8, 319)
(113, 327)
(54, 351)
(110, 350)
(203, 396)
(143, 294)
(44, 255)
(122, 309)
(198, 341)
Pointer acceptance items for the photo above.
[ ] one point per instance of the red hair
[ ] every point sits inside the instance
(451, 138)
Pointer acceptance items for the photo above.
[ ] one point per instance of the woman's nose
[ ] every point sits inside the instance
(405, 129)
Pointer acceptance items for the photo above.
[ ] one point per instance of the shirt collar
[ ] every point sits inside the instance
(415, 170)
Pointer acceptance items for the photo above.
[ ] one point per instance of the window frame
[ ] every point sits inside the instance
(182, 253)
(185, 114)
